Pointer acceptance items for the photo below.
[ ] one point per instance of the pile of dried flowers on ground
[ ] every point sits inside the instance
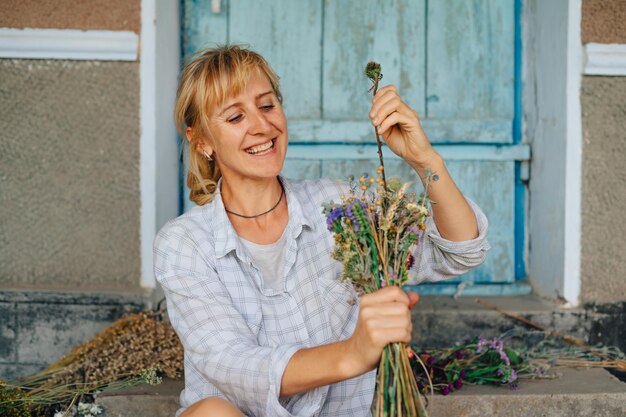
(142, 348)
(138, 348)
(493, 361)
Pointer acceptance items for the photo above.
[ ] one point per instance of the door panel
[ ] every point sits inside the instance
(391, 32)
(470, 59)
(452, 61)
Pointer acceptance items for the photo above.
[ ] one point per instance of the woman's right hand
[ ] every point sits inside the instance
(384, 317)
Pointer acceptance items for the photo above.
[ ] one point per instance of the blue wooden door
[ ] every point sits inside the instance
(456, 62)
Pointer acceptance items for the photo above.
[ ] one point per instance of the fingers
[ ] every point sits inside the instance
(393, 119)
(382, 337)
(400, 326)
(386, 295)
(393, 309)
(414, 298)
(386, 103)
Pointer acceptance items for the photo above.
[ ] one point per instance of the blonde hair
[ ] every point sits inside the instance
(210, 78)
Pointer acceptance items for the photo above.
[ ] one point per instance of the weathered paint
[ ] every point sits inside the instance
(201, 27)
(273, 30)
(448, 152)
(438, 130)
(522, 169)
(469, 290)
(391, 32)
(470, 59)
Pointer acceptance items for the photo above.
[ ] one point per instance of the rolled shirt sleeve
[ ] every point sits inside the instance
(437, 258)
(216, 337)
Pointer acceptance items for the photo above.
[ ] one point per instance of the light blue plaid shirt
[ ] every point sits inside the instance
(239, 334)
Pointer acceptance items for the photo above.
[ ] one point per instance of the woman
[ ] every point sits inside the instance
(252, 292)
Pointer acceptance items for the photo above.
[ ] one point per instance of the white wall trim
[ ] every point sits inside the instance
(553, 67)
(573, 158)
(605, 59)
(160, 57)
(147, 149)
(98, 45)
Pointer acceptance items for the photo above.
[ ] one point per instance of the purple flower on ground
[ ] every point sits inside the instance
(513, 375)
(445, 390)
(514, 387)
(458, 354)
(458, 384)
(463, 374)
(496, 344)
(504, 357)
(482, 343)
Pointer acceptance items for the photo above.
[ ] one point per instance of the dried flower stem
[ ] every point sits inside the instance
(372, 70)
(554, 333)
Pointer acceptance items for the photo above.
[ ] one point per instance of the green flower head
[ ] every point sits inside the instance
(372, 70)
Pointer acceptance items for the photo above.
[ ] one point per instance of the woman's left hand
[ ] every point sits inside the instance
(400, 127)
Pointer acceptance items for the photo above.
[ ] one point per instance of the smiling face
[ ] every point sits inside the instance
(248, 133)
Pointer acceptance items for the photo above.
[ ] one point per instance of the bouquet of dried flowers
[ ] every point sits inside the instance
(376, 227)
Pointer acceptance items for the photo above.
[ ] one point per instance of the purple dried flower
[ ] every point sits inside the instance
(352, 217)
(445, 390)
(504, 357)
(458, 384)
(482, 343)
(463, 374)
(410, 260)
(414, 229)
(430, 361)
(496, 344)
(334, 215)
(513, 375)
(514, 387)
(458, 354)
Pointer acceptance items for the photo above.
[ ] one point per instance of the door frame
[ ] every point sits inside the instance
(554, 269)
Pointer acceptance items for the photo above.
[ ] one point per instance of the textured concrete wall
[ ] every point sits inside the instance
(37, 328)
(69, 175)
(604, 192)
(71, 14)
(603, 21)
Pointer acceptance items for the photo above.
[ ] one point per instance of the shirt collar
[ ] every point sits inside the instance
(225, 237)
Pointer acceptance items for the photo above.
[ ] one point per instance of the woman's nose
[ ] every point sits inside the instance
(259, 123)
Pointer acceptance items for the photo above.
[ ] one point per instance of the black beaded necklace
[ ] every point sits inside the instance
(282, 193)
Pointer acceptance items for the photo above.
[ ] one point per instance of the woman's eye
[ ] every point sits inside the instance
(267, 106)
(235, 118)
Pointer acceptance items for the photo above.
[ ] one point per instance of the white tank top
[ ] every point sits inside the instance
(270, 259)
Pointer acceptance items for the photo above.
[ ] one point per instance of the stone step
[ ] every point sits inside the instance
(441, 321)
(578, 392)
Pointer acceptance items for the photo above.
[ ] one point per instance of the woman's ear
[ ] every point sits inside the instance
(189, 134)
(202, 146)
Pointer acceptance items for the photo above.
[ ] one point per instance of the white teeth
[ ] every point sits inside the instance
(260, 148)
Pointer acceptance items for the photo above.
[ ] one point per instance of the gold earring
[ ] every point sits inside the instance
(207, 156)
